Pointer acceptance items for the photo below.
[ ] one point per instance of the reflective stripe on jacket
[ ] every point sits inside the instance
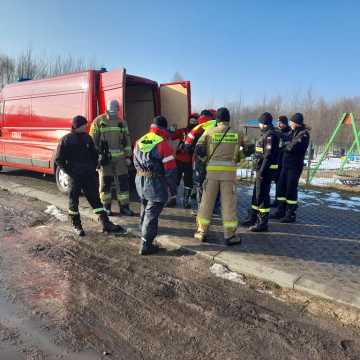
(155, 165)
(225, 151)
(115, 132)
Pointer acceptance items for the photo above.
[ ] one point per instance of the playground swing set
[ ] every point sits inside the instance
(346, 119)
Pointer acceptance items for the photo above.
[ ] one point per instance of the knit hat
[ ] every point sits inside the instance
(78, 121)
(297, 118)
(160, 121)
(206, 113)
(266, 118)
(284, 120)
(223, 114)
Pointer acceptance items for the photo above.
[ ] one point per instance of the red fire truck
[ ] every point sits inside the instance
(35, 114)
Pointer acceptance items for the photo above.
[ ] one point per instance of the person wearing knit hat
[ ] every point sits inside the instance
(206, 121)
(284, 131)
(292, 166)
(266, 155)
(184, 159)
(76, 156)
(156, 178)
(221, 147)
(265, 119)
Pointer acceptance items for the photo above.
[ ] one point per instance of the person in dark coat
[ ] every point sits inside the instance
(266, 154)
(76, 155)
(292, 166)
(284, 131)
(156, 178)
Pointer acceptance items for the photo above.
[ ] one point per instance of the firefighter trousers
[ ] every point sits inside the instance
(261, 193)
(287, 189)
(121, 186)
(149, 219)
(227, 189)
(89, 185)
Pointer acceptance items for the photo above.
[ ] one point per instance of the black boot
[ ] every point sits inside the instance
(125, 210)
(147, 247)
(233, 240)
(290, 216)
(251, 218)
(109, 227)
(186, 199)
(262, 223)
(280, 211)
(107, 208)
(77, 227)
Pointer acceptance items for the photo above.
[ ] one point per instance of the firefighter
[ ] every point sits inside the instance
(266, 155)
(284, 131)
(184, 159)
(292, 166)
(156, 176)
(112, 140)
(205, 121)
(77, 156)
(222, 148)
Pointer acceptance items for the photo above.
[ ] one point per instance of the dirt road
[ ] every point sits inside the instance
(65, 298)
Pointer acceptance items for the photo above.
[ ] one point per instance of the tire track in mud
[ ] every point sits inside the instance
(161, 307)
(182, 319)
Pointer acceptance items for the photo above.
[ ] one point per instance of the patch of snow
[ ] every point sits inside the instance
(306, 195)
(57, 213)
(222, 272)
(338, 207)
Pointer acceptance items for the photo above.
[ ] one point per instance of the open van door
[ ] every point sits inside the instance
(112, 87)
(2, 156)
(175, 99)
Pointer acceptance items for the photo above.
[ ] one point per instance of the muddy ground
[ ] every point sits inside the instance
(65, 298)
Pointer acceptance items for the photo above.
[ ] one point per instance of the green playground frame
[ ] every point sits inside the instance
(345, 119)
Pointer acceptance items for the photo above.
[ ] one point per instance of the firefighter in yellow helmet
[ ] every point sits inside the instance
(221, 147)
(112, 141)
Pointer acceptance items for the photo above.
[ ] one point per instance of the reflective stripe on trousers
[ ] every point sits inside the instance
(261, 210)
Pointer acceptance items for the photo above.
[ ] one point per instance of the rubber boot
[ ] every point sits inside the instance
(125, 210)
(251, 218)
(77, 227)
(107, 208)
(280, 211)
(290, 216)
(233, 240)
(262, 223)
(110, 227)
(147, 247)
(186, 199)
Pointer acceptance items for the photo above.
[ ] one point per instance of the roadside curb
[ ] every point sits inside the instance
(235, 261)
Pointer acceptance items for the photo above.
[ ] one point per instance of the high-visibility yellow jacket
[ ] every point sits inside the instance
(115, 132)
(228, 152)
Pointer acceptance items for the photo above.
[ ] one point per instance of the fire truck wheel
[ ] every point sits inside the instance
(62, 180)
